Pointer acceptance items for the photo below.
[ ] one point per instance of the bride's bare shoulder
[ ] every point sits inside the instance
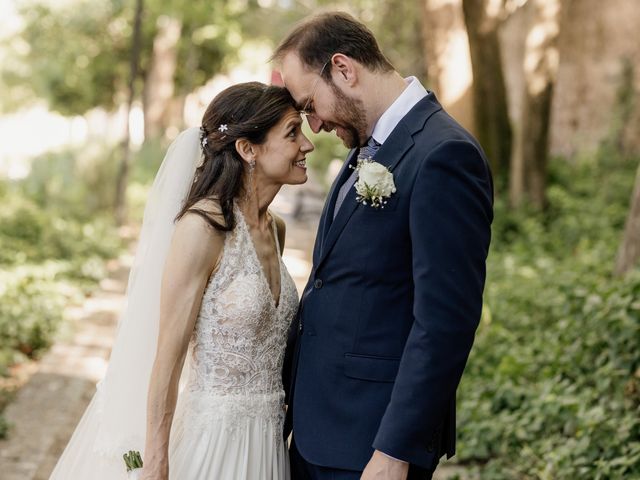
(205, 211)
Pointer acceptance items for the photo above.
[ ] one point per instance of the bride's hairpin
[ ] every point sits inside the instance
(223, 128)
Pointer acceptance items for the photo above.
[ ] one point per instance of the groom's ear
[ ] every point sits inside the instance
(344, 69)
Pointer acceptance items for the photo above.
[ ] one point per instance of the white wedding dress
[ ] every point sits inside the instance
(229, 419)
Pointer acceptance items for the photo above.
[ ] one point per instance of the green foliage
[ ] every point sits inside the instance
(56, 233)
(30, 313)
(79, 182)
(395, 23)
(552, 388)
(45, 258)
(55, 238)
(77, 56)
(327, 147)
(4, 425)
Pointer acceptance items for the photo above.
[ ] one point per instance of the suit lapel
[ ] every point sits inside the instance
(390, 154)
(327, 214)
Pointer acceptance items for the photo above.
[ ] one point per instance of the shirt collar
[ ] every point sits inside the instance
(412, 94)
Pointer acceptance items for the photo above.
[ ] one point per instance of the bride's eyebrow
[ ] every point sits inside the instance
(296, 122)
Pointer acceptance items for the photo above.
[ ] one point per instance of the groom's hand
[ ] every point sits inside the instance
(383, 467)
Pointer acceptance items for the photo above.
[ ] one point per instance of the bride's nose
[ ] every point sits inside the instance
(306, 146)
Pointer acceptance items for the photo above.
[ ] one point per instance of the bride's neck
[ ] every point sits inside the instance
(255, 205)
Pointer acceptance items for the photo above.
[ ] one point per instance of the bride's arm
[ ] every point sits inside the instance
(195, 248)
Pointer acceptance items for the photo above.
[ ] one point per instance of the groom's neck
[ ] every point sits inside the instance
(382, 89)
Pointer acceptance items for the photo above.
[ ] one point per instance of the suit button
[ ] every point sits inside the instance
(300, 327)
(317, 283)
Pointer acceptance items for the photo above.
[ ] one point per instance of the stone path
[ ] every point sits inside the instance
(46, 410)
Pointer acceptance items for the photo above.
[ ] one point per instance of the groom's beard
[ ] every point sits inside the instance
(350, 117)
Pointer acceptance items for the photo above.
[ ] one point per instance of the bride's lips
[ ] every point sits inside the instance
(301, 163)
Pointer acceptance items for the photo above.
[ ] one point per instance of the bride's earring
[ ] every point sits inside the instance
(250, 187)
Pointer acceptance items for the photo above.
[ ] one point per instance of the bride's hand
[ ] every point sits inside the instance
(154, 472)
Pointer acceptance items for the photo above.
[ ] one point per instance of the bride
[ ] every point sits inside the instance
(208, 291)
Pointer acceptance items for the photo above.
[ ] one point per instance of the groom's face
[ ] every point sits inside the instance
(328, 107)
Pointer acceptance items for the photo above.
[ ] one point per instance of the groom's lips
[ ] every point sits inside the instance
(340, 132)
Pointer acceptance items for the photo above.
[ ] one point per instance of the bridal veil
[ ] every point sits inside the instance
(115, 420)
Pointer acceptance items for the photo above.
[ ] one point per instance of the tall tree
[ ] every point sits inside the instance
(159, 82)
(72, 56)
(528, 172)
(629, 251)
(78, 54)
(597, 42)
(447, 58)
(123, 171)
(489, 93)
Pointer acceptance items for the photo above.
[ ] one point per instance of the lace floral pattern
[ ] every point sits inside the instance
(237, 348)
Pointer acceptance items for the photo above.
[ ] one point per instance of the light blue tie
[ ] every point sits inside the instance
(368, 151)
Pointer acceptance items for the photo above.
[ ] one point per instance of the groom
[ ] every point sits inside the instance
(388, 317)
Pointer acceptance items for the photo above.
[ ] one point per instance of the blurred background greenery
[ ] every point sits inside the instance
(94, 91)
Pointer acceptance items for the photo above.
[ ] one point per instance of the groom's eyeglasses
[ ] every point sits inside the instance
(308, 106)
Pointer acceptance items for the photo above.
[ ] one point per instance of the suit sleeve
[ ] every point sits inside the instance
(450, 218)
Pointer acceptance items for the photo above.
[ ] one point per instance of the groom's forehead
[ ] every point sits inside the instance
(295, 76)
(295, 73)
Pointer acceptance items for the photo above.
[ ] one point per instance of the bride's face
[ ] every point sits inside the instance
(281, 159)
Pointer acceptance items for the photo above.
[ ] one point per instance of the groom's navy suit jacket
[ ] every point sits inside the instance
(388, 317)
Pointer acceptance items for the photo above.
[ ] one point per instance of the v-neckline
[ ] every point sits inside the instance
(274, 302)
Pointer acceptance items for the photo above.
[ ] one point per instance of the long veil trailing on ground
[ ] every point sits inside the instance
(115, 420)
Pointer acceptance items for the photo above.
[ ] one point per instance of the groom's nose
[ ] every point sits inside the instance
(315, 123)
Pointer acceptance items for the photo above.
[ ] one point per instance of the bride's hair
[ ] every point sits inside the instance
(246, 110)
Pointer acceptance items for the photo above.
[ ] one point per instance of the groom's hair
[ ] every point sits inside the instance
(319, 37)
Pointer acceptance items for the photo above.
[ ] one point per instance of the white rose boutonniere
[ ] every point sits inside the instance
(375, 183)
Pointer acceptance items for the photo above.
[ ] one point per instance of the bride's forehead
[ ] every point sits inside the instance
(290, 119)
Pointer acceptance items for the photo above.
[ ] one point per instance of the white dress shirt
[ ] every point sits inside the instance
(412, 94)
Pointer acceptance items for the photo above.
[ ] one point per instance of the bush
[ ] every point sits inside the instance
(30, 313)
(56, 234)
(54, 243)
(552, 387)
(31, 234)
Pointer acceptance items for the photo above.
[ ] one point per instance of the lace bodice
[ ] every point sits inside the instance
(237, 348)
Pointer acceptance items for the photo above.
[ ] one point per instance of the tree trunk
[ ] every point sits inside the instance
(177, 108)
(447, 58)
(528, 176)
(598, 42)
(159, 85)
(489, 93)
(535, 144)
(123, 172)
(629, 250)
